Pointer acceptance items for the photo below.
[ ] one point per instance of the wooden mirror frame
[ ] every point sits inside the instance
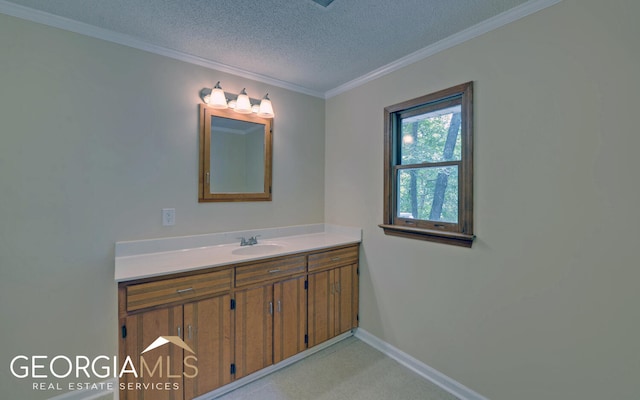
(204, 189)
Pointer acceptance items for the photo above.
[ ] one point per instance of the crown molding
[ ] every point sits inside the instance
(82, 28)
(45, 18)
(483, 27)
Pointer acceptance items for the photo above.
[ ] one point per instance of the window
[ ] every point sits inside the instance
(428, 167)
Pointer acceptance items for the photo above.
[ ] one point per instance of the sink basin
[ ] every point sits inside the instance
(257, 249)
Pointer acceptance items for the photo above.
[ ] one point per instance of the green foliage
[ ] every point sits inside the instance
(423, 141)
(427, 140)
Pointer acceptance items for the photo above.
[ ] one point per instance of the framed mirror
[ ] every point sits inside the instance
(235, 156)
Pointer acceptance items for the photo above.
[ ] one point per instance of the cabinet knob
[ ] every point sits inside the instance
(181, 291)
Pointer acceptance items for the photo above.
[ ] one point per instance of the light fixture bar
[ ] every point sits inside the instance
(240, 103)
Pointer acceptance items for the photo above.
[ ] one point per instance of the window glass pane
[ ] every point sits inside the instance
(431, 137)
(429, 193)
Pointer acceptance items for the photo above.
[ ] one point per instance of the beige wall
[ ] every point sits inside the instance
(96, 138)
(546, 303)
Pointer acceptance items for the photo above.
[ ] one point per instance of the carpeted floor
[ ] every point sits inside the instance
(348, 370)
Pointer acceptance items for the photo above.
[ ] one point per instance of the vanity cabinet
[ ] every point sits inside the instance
(204, 326)
(290, 318)
(237, 319)
(333, 294)
(141, 330)
(270, 318)
(208, 333)
(254, 330)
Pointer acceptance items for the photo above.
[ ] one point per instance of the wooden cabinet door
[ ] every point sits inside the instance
(162, 365)
(346, 298)
(207, 331)
(289, 319)
(321, 307)
(333, 303)
(254, 330)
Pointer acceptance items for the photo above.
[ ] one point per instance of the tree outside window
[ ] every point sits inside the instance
(429, 167)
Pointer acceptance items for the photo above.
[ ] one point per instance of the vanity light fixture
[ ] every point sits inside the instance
(217, 99)
(240, 103)
(266, 109)
(243, 104)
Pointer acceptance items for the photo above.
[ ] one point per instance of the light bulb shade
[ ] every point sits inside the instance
(266, 109)
(218, 99)
(243, 104)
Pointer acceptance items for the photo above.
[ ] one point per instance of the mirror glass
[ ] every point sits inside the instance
(235, 156)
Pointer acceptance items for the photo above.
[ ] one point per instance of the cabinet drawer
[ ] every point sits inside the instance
(270, 270)
(333, 258)
(167, 291)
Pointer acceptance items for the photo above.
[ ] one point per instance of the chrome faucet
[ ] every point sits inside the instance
(249, 242)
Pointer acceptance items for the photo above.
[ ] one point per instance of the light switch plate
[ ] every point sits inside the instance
(168, 216)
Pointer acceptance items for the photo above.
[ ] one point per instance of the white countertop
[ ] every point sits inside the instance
(157, 257)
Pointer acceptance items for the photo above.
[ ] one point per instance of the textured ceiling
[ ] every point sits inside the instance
(295, 41)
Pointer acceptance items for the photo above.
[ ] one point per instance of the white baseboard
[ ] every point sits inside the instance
(450, 385)
(87, 394)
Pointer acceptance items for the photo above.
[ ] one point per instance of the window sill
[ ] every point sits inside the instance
(452, 238)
